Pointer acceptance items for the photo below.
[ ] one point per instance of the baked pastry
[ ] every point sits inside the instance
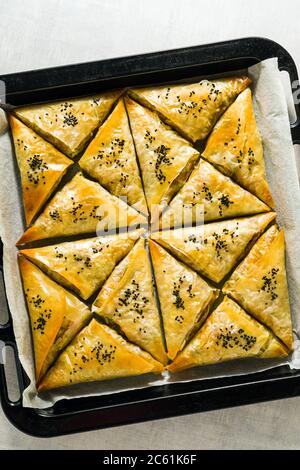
(41, 167)
(229, 333)
(165, 158)
(76, 316)
(81, 206)
(83, 265)
(69, 124)
(56, 316)
(110, 158)
(259, 284)
(184, 297)
(192, 109)
(127, 299)
(235, 147)
(214, 249)
(98, 353)
(181, 296)
(209, 195)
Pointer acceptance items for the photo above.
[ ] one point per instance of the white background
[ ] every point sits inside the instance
(42, 33)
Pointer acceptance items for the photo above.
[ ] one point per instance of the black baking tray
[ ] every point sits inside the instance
(83, 414)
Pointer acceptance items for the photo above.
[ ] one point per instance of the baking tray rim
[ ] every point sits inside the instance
(13, 410)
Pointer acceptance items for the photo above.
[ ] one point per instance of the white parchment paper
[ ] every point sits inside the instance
(273, 122)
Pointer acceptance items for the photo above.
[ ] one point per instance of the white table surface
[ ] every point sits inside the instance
(39, 33)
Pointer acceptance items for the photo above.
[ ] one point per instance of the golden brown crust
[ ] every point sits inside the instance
(55, 315)
(165, 158)
(229, 333)
(76, 316)
(81, 206)
(136, 155)
(41, 167)
(184, 297)
(192, 109)
(83, 265)
(274, 349)
(209, 195)
(259, 284)
(214, 249)
(110, 158)
(98, 353)
(127, 299)
(70, 124)
(46, 310)
(235, 147)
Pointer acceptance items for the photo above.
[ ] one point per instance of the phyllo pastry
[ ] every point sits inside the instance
(259, 284)
(110, 158)
(229, 333)
(69, 124)
(192, 109)
(214, 249)
(98, 353)
(56, 316)
(83, 265)
(127, 300)
(41, 167)
(209, 195)
(235, 147)
(81, 206)
(165, 158)
(184, 297)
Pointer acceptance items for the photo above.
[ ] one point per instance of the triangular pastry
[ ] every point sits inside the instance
(83, 265)
(259, 284)
(71, 123)
(229, 333)
(127, 299)
(110, 158)
(209, 195)
(76, 316)
(235, 147)
(165, 158)
(81, 206)
(214, 249)
(41, 167)
(98, 353)
(184, 297)
(55, 315)
(274, 349)
(192, 109)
